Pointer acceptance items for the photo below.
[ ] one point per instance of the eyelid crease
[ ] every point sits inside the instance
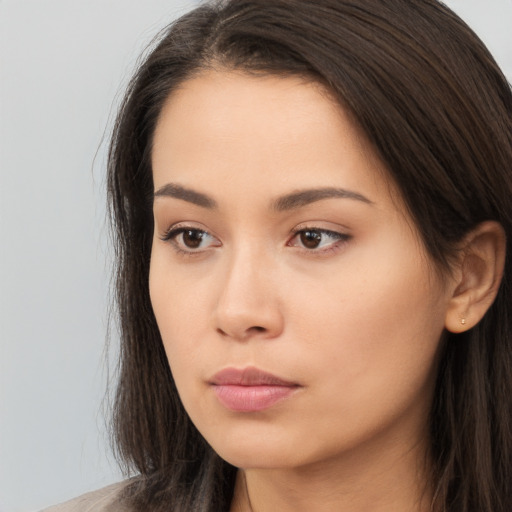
(330, 232)
(320, 225)
(185, 226)
(174, 231)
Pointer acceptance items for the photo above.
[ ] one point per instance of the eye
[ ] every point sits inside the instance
(190, 240)
(314, 239)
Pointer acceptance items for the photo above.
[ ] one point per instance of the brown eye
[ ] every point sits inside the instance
(192, 238)
(310, 239)
(318, 240)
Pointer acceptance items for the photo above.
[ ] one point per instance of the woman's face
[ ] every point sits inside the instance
(280, 247)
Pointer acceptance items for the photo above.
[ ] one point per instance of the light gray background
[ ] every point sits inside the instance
(62, 65)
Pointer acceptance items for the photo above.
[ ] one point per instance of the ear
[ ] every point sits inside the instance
(478, 276)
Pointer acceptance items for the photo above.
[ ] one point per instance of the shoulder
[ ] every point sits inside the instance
(101, 500)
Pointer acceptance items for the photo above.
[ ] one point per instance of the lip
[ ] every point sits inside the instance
(250, 389)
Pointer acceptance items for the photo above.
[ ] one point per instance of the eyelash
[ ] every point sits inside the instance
(171, 234)
(339, 240)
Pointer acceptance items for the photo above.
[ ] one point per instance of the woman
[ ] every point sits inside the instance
(312, 213)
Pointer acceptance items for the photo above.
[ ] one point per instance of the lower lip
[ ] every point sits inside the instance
(251, 398)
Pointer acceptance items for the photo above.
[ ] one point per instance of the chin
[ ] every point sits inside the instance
(262, 459)
(262, 453)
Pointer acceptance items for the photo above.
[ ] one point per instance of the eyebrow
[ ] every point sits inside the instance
(304, 197)
(287, 202)
(185, 194)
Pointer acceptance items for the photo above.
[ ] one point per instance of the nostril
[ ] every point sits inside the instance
(252, 330)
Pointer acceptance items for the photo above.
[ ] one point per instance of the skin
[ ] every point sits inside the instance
(355, 322)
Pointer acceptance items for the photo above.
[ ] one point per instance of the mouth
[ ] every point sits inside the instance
(250, 389)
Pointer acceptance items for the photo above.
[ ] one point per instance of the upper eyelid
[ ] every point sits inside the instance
(176, 227)
(339, 231)
(338, 235)
(187, 225)
(301, 227)
(320, 230)
(320, 225)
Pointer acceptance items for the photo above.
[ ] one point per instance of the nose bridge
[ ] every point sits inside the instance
(248, 299)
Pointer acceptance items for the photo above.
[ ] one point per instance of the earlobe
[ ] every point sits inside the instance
(480, 272)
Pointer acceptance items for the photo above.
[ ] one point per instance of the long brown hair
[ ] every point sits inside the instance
(438, 110)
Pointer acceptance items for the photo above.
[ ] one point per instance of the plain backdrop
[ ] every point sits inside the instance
(63, 65)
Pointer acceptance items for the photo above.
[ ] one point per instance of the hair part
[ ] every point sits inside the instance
(438, 112)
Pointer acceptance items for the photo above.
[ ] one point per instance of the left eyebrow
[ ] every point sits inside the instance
(304, 197)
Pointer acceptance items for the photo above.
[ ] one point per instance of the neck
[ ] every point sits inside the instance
(375, 483)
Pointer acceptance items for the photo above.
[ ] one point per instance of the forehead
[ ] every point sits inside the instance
(281, 131)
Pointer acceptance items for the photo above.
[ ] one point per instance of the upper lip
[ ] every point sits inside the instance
(249, 376)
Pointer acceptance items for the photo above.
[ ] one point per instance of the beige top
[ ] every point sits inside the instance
(102, 500)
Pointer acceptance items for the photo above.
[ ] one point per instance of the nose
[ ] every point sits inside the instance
(248, 304)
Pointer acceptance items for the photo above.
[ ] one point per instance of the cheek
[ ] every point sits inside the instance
(370, 300)
(373, 328)
(179, 308)
(183, 297)
(178, 305)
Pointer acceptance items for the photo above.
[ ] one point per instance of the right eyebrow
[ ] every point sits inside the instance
(185, 194)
